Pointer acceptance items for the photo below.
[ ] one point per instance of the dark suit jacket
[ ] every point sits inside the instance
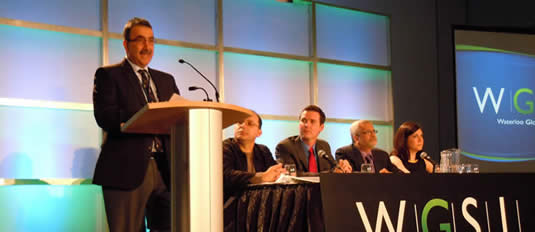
(353, 155)
(235, 175)
(117, 95)
(291, 151)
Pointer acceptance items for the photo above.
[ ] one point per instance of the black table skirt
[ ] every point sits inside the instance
(276, 207)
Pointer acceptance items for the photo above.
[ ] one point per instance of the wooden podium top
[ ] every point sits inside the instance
(159, 117)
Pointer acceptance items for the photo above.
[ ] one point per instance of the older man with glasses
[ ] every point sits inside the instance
(363, 151)
(133, 169)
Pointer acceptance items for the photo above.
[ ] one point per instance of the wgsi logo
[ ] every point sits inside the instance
(521, 107)
(383, 216)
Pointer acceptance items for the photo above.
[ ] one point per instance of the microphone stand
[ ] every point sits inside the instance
(215, 89)
(193, 88)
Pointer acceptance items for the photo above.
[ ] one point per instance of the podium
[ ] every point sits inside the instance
(195, 129)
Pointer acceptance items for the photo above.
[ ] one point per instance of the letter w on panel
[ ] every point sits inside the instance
(488, 92)
(382, 214)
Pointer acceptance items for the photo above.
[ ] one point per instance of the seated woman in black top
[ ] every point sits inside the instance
(244, 161)
(408, 144)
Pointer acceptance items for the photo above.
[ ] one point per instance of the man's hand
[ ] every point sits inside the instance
(273, 173)
(384, 170)
(344, 167)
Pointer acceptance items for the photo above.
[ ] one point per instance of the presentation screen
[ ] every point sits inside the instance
(495, 84)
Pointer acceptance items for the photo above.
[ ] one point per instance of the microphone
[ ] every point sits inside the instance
(425, 156)
(323, 154)
(193, 88)
(216, 92)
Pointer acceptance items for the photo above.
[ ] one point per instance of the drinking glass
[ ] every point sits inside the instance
(290, 169)
(475, 168)
(467, 168)
(460, 168)
(366, 168)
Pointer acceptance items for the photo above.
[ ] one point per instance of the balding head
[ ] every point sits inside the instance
(363, 134)
(356, 127)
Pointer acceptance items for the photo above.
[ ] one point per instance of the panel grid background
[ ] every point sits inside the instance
(262, 72)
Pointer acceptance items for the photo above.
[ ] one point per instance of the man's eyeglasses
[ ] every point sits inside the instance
(369, 132)
(141, 39)
(248, 123)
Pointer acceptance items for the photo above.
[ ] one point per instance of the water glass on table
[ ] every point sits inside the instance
(467, 168)
(290, 169)
(366, 168)
(475, 168)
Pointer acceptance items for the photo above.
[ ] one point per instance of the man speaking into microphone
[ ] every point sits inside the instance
(306, 151)
(133, 169)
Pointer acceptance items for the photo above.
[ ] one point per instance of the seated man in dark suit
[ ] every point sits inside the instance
(244, 161)
(306, 151)
(362, 150)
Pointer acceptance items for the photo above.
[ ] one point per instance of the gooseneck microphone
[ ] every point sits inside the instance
(193, 88)
(322, 154)
(216, 92)
(425, 156)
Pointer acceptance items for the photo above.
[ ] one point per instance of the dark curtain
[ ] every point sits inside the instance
(277, 207)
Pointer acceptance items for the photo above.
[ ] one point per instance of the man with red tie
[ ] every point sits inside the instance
(306, 151)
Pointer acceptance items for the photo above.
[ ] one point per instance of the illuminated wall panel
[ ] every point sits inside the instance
(83, 14)
(47, 143)
(353, 92)
(385, 137)
(166, 59)
(267, 85)
(52, 208)
(358, 36)
(267, 25)
(58, 142)
(337, 134)
(47, 65)
(185, 20)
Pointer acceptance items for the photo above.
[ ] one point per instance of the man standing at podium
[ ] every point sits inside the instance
(308, 152)
(133, 169)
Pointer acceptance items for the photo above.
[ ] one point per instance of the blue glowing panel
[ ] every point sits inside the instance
(52, 208)
(350, 35)
(354, 93)
(267, 25)
(267, 85)
(186, 20)
(166, 59)
(47, 65)
(337, 134)
(84, 14)
(495, 110)
(385, 137)
(273, 131)
(47, 143)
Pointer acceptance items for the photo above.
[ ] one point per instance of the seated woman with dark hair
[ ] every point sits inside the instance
(408, 144)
